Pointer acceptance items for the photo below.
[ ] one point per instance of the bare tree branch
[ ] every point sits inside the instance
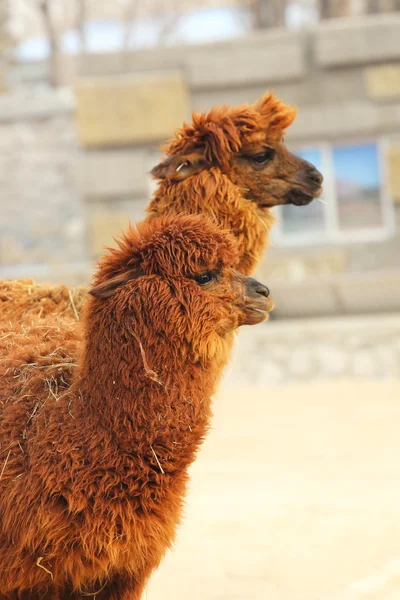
(130, 16)
(170, 22)
(269, 13)
(325, 9)
(54, 42)
(372, 6)
(334, 8)
(81, 24)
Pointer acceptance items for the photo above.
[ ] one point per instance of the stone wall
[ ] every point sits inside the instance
(343, 75)
(42, 217)
(295, 351)
(5, 42)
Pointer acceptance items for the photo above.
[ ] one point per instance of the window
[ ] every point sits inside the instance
(356, 205)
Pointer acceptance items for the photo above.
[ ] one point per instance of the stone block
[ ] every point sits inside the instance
(114, 173)
(103, 228)
(345, 42)
(330, 121)
(130, 109)
(263, 58)
(317, 88)
(295, 268)
(370, 292)
(3, 71)
(383, 82)
(394, 172)
(312, 297)
(37, 104)
(105, 63)
(134, 61)
(331, 359)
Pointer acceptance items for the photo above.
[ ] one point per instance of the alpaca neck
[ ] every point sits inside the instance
(156, 398)
(213, 193)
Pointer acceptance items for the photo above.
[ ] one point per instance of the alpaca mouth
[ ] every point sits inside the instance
(301, 197)
(264, 312)
(254, 314)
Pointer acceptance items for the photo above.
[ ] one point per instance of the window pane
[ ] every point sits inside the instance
(358, 186)
(310, 218)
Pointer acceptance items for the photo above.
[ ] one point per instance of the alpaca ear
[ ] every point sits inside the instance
(278, 115)
(107, 288)
(177, 168)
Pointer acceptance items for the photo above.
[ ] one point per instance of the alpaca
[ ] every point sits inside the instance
(97, 433)
(230, 164)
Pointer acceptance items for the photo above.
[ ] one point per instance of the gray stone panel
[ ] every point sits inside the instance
(376, 291)
(115, 173)
(308, 298)
(317, 88)
(42, 219)
(333, 121)
(263, 58)
(139, 61)
(365, 347)
(358, 41)
(36, 104)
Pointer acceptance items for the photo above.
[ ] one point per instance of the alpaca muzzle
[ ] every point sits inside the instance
(307, 185)
(256, 302)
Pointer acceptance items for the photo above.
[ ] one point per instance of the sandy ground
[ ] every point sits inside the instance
(295, 496)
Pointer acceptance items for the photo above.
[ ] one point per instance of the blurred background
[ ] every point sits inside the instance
(296, 493)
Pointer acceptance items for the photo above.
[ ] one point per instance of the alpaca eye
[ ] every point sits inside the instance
(205, 278)
(263, 157)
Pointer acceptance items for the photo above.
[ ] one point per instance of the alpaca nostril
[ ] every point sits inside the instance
(262, 290)
(315, 175)
(255, 288)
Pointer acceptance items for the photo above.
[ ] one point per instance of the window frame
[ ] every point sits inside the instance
(332, 234)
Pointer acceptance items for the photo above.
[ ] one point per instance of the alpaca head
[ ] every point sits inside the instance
(246, 144)
(174, 280)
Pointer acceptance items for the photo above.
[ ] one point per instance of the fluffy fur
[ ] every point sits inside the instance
(97, 433)
(210, 169)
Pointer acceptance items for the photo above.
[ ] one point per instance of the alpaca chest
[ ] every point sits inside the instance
(126, 536)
